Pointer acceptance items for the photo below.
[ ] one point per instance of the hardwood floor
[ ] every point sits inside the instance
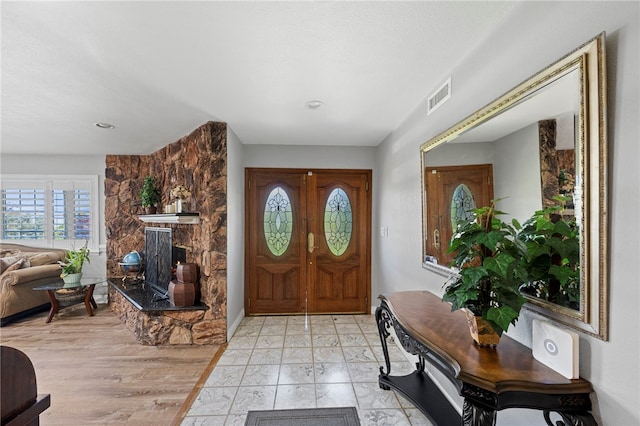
(97, 373)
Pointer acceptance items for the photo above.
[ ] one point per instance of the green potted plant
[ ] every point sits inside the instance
(149, 195)
(489, 258)
(553, 242)
(72, 264)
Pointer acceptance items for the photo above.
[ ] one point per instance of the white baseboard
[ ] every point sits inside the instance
(231, 329)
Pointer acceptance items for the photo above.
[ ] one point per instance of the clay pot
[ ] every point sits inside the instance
(481, 331)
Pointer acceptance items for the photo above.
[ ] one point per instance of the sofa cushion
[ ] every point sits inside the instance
(45, 258)
(26, 275)
(36, 256)
(12, 263)
(8, 252)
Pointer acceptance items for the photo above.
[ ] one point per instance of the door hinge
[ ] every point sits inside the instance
(366, 304)
(249, 184)
(366, 185)
(249, 302)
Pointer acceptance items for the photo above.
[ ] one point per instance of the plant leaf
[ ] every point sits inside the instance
(500, 264)
(502, 316)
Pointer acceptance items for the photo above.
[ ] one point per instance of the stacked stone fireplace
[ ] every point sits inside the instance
(197, 161)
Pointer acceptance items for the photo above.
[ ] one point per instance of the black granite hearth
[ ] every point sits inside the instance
(146, 299)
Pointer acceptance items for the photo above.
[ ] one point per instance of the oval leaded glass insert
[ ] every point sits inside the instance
(278, 221)
(462, 205)
(338, 221)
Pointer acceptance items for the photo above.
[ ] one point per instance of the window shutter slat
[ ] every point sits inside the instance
(58, 210)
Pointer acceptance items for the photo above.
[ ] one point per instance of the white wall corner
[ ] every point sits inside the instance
(231, 329)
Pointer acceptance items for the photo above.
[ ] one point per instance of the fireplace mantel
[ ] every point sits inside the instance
(146, 299)
(180, 218)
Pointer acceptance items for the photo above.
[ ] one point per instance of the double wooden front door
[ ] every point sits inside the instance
(307, 241)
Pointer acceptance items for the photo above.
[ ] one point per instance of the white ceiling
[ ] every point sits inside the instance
(158, 70)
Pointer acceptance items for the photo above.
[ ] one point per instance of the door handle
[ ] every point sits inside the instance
(311, 239)
(436, 239)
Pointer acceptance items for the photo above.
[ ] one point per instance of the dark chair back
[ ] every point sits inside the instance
(20, 403)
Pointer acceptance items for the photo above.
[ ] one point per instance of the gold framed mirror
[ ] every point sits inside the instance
(495, 154)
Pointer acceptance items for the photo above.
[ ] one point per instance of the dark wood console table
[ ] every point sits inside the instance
(488, 379)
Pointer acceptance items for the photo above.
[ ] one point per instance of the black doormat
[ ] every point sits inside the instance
(342, 416)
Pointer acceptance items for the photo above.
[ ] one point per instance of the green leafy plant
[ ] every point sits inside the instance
(553, 265)
(149, 193)
(489, 257)
(74, 260)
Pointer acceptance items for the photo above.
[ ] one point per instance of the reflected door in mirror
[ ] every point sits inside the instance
(452, 193)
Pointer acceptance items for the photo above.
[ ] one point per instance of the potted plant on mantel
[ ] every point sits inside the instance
(149, 195)
(72, 264)
(490, 260)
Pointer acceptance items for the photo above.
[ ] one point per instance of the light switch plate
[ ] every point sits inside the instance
(557, 348)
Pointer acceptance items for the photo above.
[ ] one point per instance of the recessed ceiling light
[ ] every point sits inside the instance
(104, 125)
(314, 104)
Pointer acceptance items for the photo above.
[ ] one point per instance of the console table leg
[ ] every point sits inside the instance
(421, 364)
(383, 321)
(574, 419)
(475, 415)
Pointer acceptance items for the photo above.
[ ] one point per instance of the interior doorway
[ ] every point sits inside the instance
(308, 241)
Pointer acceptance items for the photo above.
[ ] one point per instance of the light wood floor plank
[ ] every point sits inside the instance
(97, 373)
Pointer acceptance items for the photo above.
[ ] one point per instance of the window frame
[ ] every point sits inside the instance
(49, 183)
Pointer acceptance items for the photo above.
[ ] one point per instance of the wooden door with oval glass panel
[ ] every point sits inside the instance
(308, 239)
(452, 192)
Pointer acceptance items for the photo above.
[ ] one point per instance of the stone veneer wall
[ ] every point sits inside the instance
(198, 161)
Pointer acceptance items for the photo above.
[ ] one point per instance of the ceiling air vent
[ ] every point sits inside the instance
(439, 97)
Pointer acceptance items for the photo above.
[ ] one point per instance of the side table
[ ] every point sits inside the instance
(84, 289)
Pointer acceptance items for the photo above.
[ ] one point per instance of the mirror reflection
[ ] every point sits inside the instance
(527, 149)
(525, 157)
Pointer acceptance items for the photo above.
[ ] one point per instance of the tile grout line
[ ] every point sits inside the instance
(367, 346)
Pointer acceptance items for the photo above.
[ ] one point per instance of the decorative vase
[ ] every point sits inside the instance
(151, 210)
(72, 278)
(481, 331)
(182, 294)
(187, 272)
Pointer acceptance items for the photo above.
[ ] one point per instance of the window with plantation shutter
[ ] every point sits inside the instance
(23, 214)
(58, 211)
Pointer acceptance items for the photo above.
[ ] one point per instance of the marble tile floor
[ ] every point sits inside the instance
(279, 362)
